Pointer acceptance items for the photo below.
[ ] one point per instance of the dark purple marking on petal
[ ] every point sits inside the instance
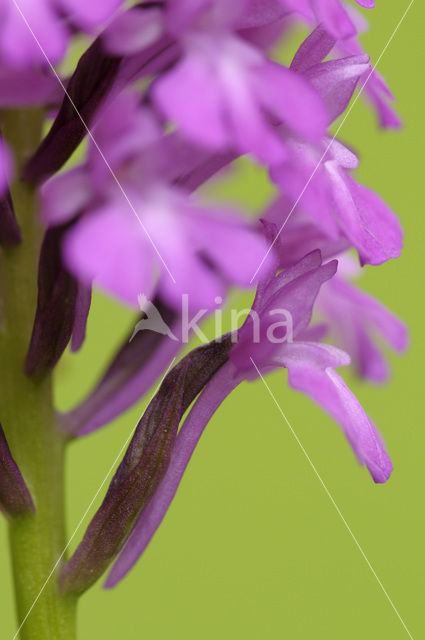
(87, 88)
(55, 315)
(143, 467)
(219, 387)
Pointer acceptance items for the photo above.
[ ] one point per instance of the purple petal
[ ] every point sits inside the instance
(343, 156)
(336, 80)
(124, 132)
(45, 28)
(90, 14)
(22, 87)
(188, 165)
(366, 4)
(369, 223)
(290, 97)
(374, 88)
(313, 354)
(199, 247)
(334, 18)
(133, 371)
(388, 117)
(313, 50)
(218, 102)
(275, 284)
(300, 235)
(235, 248)
(307, 183)
(261, 13)
(65, 195)
(295, 297)
(133, 30)
(189, 95)
(109, 248)
(392, 329)
(310, 370)
(182, 14)
(370, 362)
(193, 277)
(250, 129)
(357, 320)
(300, 7)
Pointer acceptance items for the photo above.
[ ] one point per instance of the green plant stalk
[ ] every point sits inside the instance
(26, 412)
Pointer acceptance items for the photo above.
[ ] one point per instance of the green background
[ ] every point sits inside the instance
(252, 546)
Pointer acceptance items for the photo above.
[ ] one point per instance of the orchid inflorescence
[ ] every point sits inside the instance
(169, 95)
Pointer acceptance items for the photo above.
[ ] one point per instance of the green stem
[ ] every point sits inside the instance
(26, 412)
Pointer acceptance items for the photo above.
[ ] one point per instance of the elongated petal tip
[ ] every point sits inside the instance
(380, 466)
(382, 473)
(311, 370)
(55, 314)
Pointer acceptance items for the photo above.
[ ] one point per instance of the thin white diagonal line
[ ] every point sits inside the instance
(85, 513)
(92, 138)
(400, 22)
(319, 477)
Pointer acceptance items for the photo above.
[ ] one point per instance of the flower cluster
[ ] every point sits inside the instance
(169, 95)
